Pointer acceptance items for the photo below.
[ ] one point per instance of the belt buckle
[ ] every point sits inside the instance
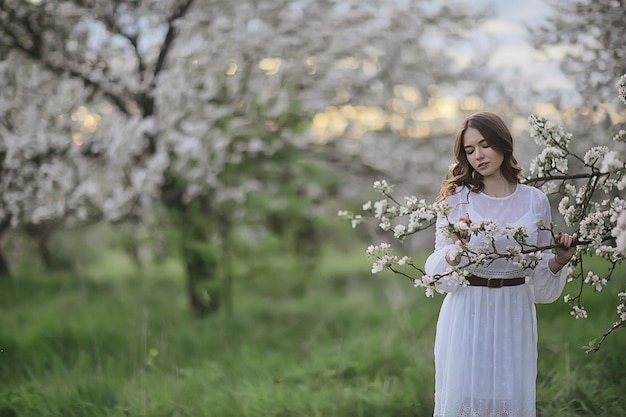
(494, 283)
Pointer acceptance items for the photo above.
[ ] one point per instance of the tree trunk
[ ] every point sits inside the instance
(225, 228)
(204, 288)
(44, 250)
(5, 270)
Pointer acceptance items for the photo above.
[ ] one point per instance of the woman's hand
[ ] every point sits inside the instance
(564, 250)
(464, 237)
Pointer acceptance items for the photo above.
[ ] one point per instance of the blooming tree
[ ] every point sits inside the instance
(109, 107)
(588, 204)
(590, 35)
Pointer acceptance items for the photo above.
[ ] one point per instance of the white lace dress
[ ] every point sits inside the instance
(486, 342)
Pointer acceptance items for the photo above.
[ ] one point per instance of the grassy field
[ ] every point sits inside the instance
(112, 341)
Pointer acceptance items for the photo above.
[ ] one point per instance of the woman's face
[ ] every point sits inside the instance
(482, 157)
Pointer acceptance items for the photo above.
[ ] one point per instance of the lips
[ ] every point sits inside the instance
(483, 165)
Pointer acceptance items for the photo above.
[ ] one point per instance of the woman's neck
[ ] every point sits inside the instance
(498, 186)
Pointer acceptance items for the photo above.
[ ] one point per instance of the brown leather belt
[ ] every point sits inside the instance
(475, 281)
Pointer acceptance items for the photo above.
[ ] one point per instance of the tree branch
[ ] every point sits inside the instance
(170, 36)
(597, 346)
(563, 177)
(35, 53)
(146, 98)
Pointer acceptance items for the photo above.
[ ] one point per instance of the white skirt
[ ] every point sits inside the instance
(486, 353)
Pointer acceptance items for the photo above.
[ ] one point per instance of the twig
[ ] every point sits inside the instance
(615, 326)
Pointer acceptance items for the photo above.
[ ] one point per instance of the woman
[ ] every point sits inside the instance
(486, 343)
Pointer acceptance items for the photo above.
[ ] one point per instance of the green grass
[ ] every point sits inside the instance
(339, 342)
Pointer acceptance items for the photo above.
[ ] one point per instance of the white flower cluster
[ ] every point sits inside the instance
(528, 260)
(553, 158)
(548, 133)
(383, 186)
(570, 205)
(597, 282)
(456, 250)
(355, 219)
(380, 208)
(611, 163)
(619, 231)
(594, 154)
(604, 220)
(578, 312)
(384, 257)
(572, 270)
(520, 254)
(567, 210)
(620, 136)
(430, 284)
(550, 159)
(621, 88)
(592, 228)
(621, 307)
(418, 213)
(610, 253)
(381, 253)
(549, 187)
(487, 228)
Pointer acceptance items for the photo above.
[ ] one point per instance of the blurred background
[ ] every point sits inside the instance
(171, 173)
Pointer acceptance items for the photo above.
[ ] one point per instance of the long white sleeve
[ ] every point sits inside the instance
(436, 263)
(547, 286)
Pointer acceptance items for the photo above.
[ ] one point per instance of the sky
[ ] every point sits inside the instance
(521, 69)
(512, 52)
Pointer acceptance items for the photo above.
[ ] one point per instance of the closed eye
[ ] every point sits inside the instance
(470, 150)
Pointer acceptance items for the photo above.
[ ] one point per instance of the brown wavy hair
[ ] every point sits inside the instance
(498, 136)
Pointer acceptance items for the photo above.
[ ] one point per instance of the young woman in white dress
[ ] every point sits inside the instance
(486, 340)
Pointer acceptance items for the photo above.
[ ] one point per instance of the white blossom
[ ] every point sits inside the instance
(611, 162)
(356, 220)
(455, 251)
(594, 154)
(383, 186)
(550, 187)
(593, 228)
(579, 312)
(620, 136)
(551, 158)
(597, 282)
(619, 231)
(547, 133)
(380, 208)
(385, 224)
(377, 266)
(621, 85)
(621, 308)
(461, 227)
(399, 230)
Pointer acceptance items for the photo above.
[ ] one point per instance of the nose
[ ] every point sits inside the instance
(479, 153)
